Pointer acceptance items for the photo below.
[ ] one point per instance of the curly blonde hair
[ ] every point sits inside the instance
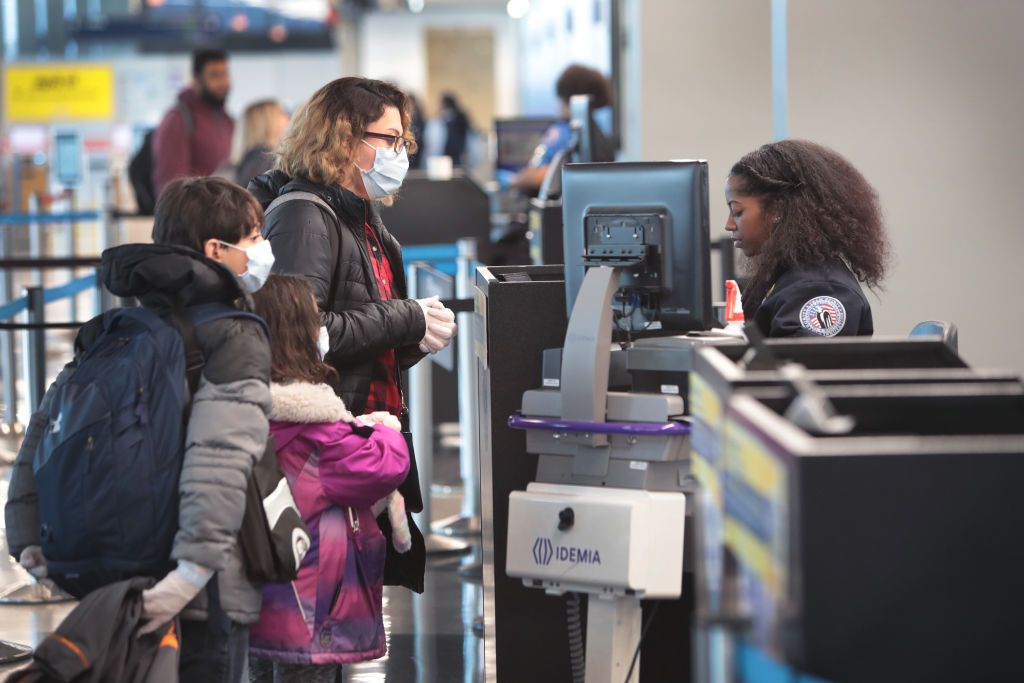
(320, 144)
(259, 124)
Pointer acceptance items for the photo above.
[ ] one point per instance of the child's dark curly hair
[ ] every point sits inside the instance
(820, 209)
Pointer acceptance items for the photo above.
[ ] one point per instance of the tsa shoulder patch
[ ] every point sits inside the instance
(824, 316)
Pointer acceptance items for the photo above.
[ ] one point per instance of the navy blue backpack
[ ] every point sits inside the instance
(108, 464)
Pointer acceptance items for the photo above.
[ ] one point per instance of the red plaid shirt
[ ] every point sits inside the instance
(384, 394)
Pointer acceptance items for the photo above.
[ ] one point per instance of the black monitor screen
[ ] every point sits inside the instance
(650, 220)
(517, 139)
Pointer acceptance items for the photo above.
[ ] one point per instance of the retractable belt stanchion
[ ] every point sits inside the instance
(7, 357)
(467, 522)
(421, 423)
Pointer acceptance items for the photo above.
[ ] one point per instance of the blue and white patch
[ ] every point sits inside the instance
(824, 316)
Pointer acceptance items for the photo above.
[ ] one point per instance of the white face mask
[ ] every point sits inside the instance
(261, 260)
(324, 342)
(388, 172)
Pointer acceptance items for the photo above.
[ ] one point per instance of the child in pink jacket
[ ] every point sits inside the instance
(338, 468)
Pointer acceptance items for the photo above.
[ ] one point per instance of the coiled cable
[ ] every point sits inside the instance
(577, 651)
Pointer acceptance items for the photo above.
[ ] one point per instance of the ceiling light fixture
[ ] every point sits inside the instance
(517, 9)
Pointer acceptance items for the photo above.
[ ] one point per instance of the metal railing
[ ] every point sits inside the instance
(70, 228)
(33, 304)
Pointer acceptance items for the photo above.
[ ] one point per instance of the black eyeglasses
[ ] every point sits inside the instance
(397, 142)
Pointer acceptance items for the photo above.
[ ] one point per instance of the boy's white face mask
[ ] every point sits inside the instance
(261, 260)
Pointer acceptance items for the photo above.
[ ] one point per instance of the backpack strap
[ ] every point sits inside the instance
(186, 320)
(300, 195)
(194, 361)
(207, 313)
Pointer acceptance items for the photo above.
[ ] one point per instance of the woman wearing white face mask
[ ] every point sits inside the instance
(348, 148)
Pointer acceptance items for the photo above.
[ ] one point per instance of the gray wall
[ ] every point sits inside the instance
(926, 97)
(697, 84)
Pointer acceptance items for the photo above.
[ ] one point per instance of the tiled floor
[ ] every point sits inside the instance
(430, 635)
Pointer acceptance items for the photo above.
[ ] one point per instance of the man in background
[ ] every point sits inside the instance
(194, 137)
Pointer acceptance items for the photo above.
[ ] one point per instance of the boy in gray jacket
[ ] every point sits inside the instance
(207, 248)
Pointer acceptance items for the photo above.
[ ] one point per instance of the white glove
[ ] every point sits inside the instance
(33, 561)
(401, 536)
(381, 417)
(394, 503)
(428, 303)
(171, 595)
(440, 325)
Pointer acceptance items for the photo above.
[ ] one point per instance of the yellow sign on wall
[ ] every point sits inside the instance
(36, 93)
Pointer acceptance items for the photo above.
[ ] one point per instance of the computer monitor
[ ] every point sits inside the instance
(589, 142)
(517, 139)
(650, 220)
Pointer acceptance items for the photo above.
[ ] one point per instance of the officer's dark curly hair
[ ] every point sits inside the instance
(582, 80)
(819, 208)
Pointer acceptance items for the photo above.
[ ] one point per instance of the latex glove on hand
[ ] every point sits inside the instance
(401, 536)
(33, 561)
(427, 304)
(171, 595)
(394, 503)
(381, 417)
(441, 326)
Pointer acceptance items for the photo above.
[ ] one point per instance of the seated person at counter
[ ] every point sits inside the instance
(575, 80)
(811, 226)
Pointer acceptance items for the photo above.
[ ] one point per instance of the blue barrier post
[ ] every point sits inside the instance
(467, 522)
(421, 424)
(104, 299)
(103, 233)
(469, 455)
(35, 237)
(7, 358)
(69, 246)
(35, 347)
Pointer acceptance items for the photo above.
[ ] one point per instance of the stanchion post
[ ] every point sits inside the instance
(104, 299)
(421, 419)
(35, 237)
(104, 239)
(421, 423)
(69, 247)
(469, 458)
(7, 358)
(35, 347)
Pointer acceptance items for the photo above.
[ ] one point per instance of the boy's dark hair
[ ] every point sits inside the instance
(200, 58)
(822, 208)
(191, 211)
(286, 302)
(582, 80)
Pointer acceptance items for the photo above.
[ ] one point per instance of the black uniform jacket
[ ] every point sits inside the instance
(819, 301)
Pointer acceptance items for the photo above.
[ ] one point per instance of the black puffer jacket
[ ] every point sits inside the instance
(332, 255)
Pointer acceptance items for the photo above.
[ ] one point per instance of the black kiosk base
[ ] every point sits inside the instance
(520, 312)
